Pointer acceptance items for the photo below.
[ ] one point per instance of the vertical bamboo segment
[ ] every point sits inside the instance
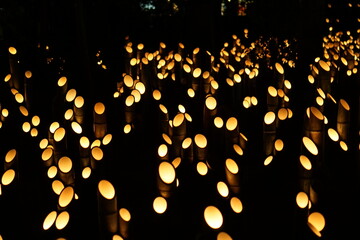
(166, 176)
(99, 120)
(14, 68)
(343, 120)
(232, 173)
(107, 209)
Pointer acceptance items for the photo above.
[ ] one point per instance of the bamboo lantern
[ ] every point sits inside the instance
(232, 173)
(107, 208)
(49, 220)
(232, 130)
(209, 111)
(14, 68)
(66, 172)
(178, 133)
(166, 176)
(130, 109)
(28, 90)
(272, 99)
(324, 76)
(314, 127)
(187, 150)
(79, 109)
(159, 205)
(269, 132)
(60, 143)
(99, 120)
(48, 156)
(11, 159)
(62, 220)
(279, 75)
(213, 217)
(124, 222)
(343, 120)
(63, 85)
(163, 119)
(200, 147)
(316, 223)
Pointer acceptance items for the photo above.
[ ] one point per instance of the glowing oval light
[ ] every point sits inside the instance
(54, 126)
(160, 205)
(106, 189)
(202, 168)
(343, 146)
(99, 108)
(317, 220)
(66, 196)
(86, 172)
(140, 87)
(324, 65)
(156, 94)
(279, 145)
(272, 91)
(7, 78)
(231, 124)
(167, 172)
(84, 142)
(127, 128)
(333, 134)
(302, 199)
(213, 217)
(76, 127)
(8, 177)
(162, 150)
(186, 143)
(311, 79)
(223, 189)
(279, 68)
(5, 112)
(62, 220)
(97, 153)
(59, 134)
(68, 114)
(52, 171)
(24, 111)
(57, 186)
(129, 101)
(197, 72)
(310, 145)
(319, 101)
(223, 236)
(236, 205)
(191, 92)
(43, 143)
(65, 164)
(218, 122)
(287, 84)
(282, 113)
(49, 220)
(238, 149)
(19, 98)
(117, 237)
(268, 160)
(125, 214)
(305, 162)
(10, 155)
(166, 138)
(344, 104)
(47, 154)
(178, 119)
(70, 95)
(107, 139)
(200, 140)
(176, 162)
(128, 80)
(12, 50)
(210, 103)
(232, 166)
(269, 118)
(62, 81)
(79, 102)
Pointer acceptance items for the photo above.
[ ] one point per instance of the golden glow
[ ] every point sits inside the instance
(320, 101)
(8, 177)
(5, 112)
(186, 143)
(344, 104)
(178, 119)
(68, 114)
(159, 205)
(49, 220)
(99, 108)
(127, 128)
(223, 236)
(181, 108)
(62, 220)
(213, 217)
(57, 186)
(70, 95)
(167, 172)
(65, 164)
(129, 101)
(237, 78)
(231, 124)
(84, 142)
(197, 72)
(106, 189)
(223, 189)
(79, 102)
(272, 91)
(218, 122)
(43, 143)
(287, 84)
(268, 160)
(302, 199)
(163, 108)
(76, 127)
(62, 81)
(12, 50)
(117, 237)
(140, 87)
(210, 103)
(232, 166)
(333, 134)
(324, 65)
(156, 94)
(317, 220)
(269, 118)
(166, 138)
(125, 214)
(321, 93)
(186, 68)
(279, 68)
(34, 132)
(107, 139)
(200, 140)
(305, 162)
(191, 92)
(316, 112)
(311, 79)
(254, 100)
(51, 172)
(236, 205)
(230, 82)
(86, 172)
(59, 134)
(35, 121)
(343, 146)
(279, 145)
(162, 150)
(128, 80)
(310, 145)
(202, 168)
(66, 196)
(7, 77)
(96, 143)
(238, 149)
(176, 162)
(19, 98)
(47, 154)
(10, 155)
(282, 113)
(24, 111)
(97, 153)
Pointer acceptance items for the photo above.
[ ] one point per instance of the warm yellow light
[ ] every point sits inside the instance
(310, 145)
(236, 205)
(167, 172)
(70, 95)
(166, 138)
(287, 84)
(238, 149)
(302, 199)
(218, 122)
(160, 205)
(317, 220)
(237, 78)
(79, 102)
(200, 140)
(95, 143)
(8, 177)
(66, 196)
(10, 155)
(269, 118)
(305, 162)
(176, 162)
(24, 111)
(84, 142)
(231, 123)
(125, 214)
(272, 91)
(49, 220)
(117, 237)
(202, 168)
(19, 98)
(59, 134)
(51, 172)
(62, 81)
(178, 119)
(47, 154)
(223, 236)
(162, 150)
(333, 134)
(279, 145)
(210, 103)
(62, 220)
(128, 80)
(5, 112)
(197, 72)
(254, 100)
(86, 172)
(7, 78)
(99, 108)
(344, 104)
(320, 101)
(324, 65)
(65, 164)
(97, 153)
(311, 79)
(232, 166)
(282, 113)
(222, 189)
(213, 217)
(106, 189)
(186, 143)
(57, 187)
(76, 127)
(127, 128)
(107, 139)
(191, 92)
(43, 143)
(268, 160)
(343, 146)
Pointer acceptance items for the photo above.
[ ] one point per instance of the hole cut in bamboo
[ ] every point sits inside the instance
(236, 204)
(159, 205)
(213, 217)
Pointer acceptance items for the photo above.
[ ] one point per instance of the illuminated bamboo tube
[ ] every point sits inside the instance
(124, 222)
(196, 79)
(166, 176)
(84, 152)
(78, 109)
(11, 159)
(60, 143)
(232, 173)
(305, 173)
(163, 119)
(324, 76)
(187, 150)
(14, 68)
(99, 120)
(200, 148)
(314, 126)
(129, 109)
(343, 120)
(179, 126)
(48, 156)
(52, 128)
(28, 90)
(66, 171)
(232, 131)
(96, 155)
(107, 209)
(272, 99)
(269, 132)
(209, 111)
(279, 75)
(63, 85)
